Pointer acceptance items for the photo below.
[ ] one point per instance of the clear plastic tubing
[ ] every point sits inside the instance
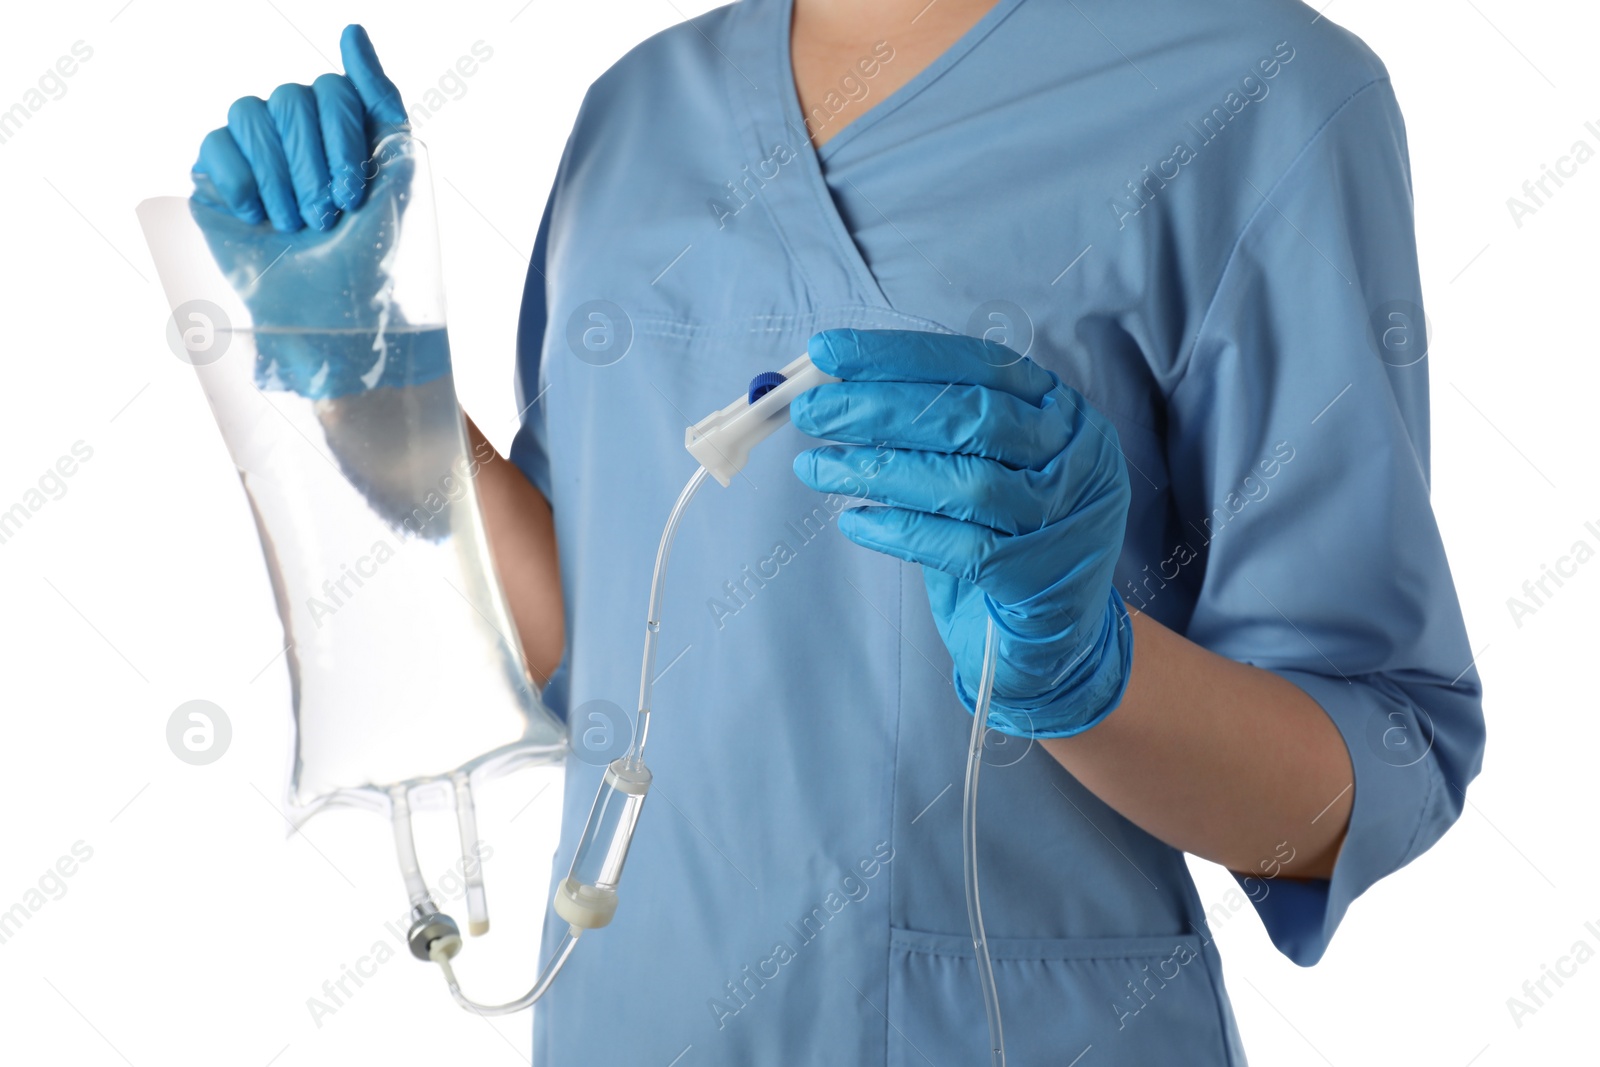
(471, 862)
(540, 985)
(652, 624)
(405, 847)
(587, 897)
(969, 849)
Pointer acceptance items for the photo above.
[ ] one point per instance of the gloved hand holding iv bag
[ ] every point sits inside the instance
(1011, 491)
(342, 310)
(324, 357)
(320, 343)
(320, 282)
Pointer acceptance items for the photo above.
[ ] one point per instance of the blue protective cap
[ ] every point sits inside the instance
(764, 383)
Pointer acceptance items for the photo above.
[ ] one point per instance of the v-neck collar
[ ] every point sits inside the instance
(900, 96)
(759, 79)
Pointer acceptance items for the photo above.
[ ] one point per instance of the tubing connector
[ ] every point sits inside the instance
(432, 933)
(721, 442)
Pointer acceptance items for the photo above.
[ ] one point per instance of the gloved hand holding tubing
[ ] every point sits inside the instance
(1008, 487)
(318, 280)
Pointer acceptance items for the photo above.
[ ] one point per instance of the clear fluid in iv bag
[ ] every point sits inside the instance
(403, 660)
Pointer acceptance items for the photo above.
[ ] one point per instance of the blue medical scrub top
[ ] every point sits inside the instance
(1197, 214)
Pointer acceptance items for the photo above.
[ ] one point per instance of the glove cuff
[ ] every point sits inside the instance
(1090, 689)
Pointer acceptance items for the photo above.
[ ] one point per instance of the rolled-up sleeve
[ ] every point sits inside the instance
(1298, 442)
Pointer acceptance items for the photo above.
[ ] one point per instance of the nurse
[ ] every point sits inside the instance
(1125, 303)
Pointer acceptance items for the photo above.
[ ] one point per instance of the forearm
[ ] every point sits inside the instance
(522, 540)
(1218, 758)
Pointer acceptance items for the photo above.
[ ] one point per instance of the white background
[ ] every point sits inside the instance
(198, 929)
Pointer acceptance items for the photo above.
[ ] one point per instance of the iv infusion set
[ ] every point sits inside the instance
(324, 358)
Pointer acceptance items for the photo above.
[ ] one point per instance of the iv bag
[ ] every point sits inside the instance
(324, 357)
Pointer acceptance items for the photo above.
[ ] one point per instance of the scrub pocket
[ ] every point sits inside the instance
(1088, 1002)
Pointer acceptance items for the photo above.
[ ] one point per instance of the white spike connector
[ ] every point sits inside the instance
(721, 442)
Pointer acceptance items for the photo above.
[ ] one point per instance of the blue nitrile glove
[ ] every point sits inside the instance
(315, 281)
(297, 158)
(1009, 489)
